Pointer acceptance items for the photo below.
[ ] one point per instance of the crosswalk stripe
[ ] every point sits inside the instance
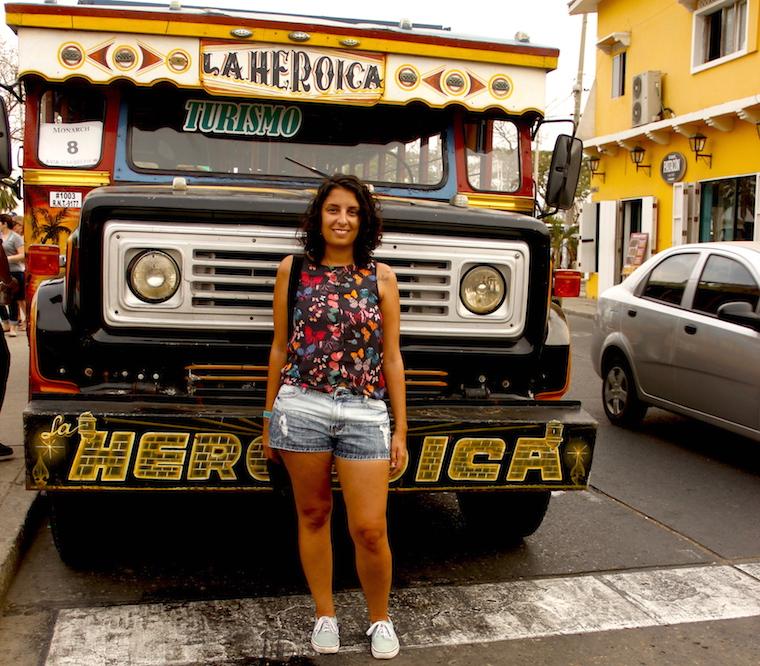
(278, 627)
(751, 569)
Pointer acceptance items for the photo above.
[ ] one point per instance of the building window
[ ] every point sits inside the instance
(618, 75)
(720, 30)
(727, 209)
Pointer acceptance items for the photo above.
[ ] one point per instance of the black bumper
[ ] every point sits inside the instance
(494, 445)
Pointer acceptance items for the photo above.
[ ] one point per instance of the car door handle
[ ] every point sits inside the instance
(631, 313)
(691, 330)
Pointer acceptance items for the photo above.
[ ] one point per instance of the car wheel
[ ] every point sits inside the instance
(619, 397)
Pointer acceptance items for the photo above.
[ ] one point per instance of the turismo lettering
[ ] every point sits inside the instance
(242, 118)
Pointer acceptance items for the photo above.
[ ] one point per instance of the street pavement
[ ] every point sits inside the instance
(17, 505)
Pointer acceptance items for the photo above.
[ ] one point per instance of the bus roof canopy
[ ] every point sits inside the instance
(278, 56)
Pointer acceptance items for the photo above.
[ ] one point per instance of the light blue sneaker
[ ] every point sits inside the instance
(325, 638)
(384, 642)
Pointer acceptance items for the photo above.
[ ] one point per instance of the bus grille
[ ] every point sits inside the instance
(229, 274)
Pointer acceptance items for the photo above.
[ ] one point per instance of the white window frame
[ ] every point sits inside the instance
(699, 28)
(619, 62)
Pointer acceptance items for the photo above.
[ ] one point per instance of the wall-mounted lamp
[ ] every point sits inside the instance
(697, 144)
(637, 157)
(593, 165)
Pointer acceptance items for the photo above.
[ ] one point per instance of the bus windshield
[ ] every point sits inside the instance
(178, 131)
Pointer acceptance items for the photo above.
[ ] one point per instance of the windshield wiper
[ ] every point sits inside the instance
(306, 166)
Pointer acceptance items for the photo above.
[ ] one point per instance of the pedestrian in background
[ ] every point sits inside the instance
(324, 403)
(8, 287)
(18, 227)
(14, 251)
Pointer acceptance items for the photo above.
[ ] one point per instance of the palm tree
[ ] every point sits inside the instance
(49, 229)
(7, 200)
(563, 236)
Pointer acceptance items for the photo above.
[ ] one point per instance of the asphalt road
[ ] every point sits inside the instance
(658, 563)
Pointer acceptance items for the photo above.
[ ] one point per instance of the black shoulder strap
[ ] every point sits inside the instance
(295, 278)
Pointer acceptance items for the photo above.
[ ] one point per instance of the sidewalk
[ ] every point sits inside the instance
(582, 307)
(15, 501)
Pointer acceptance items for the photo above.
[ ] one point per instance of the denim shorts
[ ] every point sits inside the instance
(350, 426)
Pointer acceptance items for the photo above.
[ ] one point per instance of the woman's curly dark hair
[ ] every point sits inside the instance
(370, 222)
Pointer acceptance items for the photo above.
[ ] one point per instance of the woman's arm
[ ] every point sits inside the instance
(393, 364)
(278, 353)
(8, 284)
(5, 270)
(18, 253)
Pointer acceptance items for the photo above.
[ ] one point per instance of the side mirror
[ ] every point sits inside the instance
(564, 172)
(740, 312)
(6, 166)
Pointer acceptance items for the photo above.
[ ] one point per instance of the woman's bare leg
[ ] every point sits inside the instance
(365, 491)
(310, 476)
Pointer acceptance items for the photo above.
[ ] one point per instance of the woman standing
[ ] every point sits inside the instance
(8, 287)
(14, 249)
(324, 401)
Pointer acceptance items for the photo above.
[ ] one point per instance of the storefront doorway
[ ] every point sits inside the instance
(630, 222)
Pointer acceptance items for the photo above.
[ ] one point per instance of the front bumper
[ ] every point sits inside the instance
(493, 445)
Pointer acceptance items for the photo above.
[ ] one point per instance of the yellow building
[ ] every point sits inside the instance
(672, 129)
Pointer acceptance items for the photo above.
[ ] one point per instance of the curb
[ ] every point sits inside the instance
(20, 514)
(579, 313)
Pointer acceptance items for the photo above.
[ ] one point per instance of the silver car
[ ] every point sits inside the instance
(682, 332)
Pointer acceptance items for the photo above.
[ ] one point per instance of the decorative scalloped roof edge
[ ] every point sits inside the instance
(720, 117)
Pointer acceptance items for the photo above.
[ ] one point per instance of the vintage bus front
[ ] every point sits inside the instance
(210, 131)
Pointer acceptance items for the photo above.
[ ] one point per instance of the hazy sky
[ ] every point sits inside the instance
(547, 23)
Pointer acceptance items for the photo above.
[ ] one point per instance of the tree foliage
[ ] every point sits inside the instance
(8, 77)
(564, 242)
(564, 232)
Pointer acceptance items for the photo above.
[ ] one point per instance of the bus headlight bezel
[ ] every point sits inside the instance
(138, 281)
(467, 287)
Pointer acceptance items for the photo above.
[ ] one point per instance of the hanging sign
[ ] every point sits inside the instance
(673, 167)
(70, 144)
(293, 73)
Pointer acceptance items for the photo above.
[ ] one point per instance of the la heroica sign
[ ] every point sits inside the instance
(673, 167)
(271, 70)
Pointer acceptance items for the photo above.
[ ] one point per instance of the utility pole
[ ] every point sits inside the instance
(577, 91)
(578, 87)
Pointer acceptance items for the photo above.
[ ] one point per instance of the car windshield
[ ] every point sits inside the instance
(172, 131)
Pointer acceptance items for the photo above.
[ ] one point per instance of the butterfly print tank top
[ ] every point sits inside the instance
(337, 336)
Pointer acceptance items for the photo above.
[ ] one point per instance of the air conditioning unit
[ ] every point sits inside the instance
(647, 98)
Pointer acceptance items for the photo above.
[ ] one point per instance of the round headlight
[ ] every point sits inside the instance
(153, 276)
(482, 290)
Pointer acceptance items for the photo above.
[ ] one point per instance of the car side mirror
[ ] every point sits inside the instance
(6, 165)
(564, 172)
(740, 312)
